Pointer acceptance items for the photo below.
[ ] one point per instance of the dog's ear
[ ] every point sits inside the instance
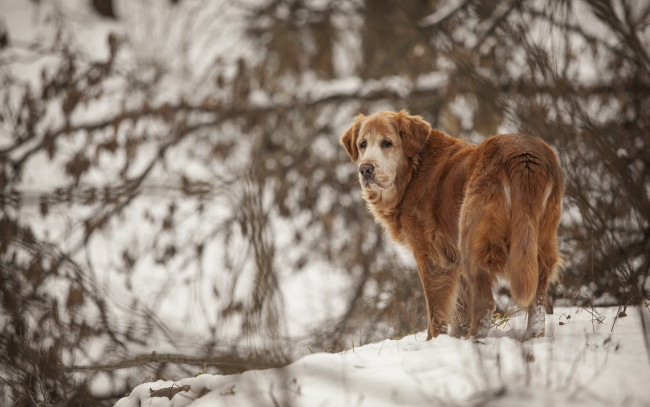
(413, 130)
(349, 138)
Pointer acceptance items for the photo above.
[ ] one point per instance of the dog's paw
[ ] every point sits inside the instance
(532, 334)
(459, 329)
(536, 322)
(479, 328)
(436, 328)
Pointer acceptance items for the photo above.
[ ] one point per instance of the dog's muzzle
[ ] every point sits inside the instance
(367, 175)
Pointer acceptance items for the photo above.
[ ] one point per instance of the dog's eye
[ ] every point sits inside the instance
(386, 143)
(363, 144)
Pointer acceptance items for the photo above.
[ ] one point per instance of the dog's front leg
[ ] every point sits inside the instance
(439, 285)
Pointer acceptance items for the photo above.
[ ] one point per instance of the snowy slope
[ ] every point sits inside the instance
(589, 357)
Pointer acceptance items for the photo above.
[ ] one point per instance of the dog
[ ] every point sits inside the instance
(469, 213)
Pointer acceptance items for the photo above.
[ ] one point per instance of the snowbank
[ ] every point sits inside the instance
(589, 357)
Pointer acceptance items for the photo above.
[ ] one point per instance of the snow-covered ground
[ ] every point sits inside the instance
(588, 358)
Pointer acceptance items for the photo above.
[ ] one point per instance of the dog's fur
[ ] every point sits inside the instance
(469, 213)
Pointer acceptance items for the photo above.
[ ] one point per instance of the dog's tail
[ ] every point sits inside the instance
(521, 266)
(530, 189)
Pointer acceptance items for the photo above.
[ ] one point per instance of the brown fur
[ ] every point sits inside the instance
(469, 213)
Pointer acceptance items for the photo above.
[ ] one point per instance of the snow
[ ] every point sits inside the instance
(588, 357)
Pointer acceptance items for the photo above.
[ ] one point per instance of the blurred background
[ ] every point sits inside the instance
(171, 179)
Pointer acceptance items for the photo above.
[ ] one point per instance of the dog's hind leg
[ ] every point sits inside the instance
(461, 316)
(483, 248)
(537, 312)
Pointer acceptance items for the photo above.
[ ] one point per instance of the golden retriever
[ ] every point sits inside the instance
(468, 212)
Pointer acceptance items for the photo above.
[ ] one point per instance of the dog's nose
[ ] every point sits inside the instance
(366, 170)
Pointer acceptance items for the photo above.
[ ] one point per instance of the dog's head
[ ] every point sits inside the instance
(382, 144)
